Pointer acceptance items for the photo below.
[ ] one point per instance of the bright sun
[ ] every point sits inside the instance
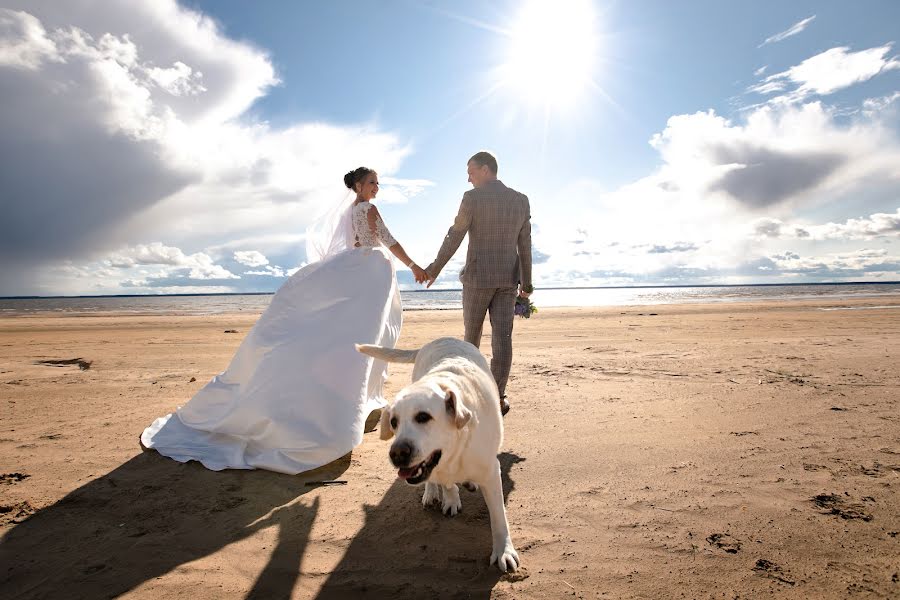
(551, 53)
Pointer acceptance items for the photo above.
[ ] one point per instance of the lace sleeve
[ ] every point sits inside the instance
(382, 233)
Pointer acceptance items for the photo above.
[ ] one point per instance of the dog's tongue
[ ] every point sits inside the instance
(405, 473)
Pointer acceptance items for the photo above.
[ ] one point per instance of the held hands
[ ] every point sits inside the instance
(429, 278)
(420, 274)
(426, 278)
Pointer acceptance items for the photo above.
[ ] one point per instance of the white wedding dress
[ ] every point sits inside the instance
(297, 393)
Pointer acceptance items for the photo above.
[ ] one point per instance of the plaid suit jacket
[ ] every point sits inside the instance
(498, 221)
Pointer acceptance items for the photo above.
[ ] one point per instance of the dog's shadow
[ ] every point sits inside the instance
(151, 515)
(405, 551)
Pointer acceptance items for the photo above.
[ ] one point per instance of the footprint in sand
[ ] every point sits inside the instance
(82, 364)
(769, 569)
(725, 542)
(16, 513)
(836, 505)
(11, 478)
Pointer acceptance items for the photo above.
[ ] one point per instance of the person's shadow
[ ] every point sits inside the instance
(150, 515)
(405, 551)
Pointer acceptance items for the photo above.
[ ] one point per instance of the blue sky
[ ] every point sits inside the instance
(163, 147)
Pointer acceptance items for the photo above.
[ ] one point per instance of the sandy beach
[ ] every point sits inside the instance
(675, 451)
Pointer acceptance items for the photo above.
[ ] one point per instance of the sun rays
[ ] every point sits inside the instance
(543, 68)
(551, 54)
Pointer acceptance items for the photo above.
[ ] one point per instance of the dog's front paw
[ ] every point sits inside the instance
(451, 503)
(505, 556)
(472, 487)
(432, 494)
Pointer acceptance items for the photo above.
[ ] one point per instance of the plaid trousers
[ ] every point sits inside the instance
(500, 303)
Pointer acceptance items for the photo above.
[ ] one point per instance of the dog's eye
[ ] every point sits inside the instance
(393, 422)
(423, 417)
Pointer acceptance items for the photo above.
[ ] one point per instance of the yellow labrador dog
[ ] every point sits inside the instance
(449, 430)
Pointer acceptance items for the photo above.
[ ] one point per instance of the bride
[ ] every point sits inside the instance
(296, 394)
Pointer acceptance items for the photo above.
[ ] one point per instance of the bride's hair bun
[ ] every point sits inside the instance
(354, 176)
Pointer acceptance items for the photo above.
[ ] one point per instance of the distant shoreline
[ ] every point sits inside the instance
(428, 291)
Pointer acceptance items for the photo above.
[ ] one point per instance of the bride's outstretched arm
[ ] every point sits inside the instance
(377, 227)
(418, 272)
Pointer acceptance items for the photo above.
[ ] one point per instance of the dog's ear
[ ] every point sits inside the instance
(384, 424)
(456, 409)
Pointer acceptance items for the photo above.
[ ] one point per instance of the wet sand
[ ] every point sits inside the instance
(697, 451)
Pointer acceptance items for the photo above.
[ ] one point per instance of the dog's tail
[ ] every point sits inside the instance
(388, 354)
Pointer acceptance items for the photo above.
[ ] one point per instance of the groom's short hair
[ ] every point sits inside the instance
(485, 159)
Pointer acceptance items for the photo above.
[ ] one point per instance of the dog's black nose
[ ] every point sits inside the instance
(400, 453)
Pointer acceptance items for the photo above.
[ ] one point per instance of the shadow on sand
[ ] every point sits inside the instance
(405, 551)
(150, 515)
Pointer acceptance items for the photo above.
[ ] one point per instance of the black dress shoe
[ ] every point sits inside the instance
(504, 405)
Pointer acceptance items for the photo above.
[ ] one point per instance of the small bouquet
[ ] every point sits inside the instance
(524, 307)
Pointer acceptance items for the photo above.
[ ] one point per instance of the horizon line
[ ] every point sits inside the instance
(417, 291)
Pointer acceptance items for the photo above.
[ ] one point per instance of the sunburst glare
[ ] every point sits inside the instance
(551, 53)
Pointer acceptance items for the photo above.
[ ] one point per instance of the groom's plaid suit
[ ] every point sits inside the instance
(498, 221)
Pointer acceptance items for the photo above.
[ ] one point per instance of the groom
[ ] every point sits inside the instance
(498, 221)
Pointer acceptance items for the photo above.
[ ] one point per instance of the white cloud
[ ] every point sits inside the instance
(670, 248)
(863, 228)
(267, 244)
(155, 253)
(178, 80)
(790, 31)
(827, 72)
(23, 41)
(874, 106)
(251, 258)
(855, 263)
(269, 271)
(138, 110)
(767, 228)
(777, 155)
(208, 270)
(399, 191)
(688, 220)
(196, 266)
